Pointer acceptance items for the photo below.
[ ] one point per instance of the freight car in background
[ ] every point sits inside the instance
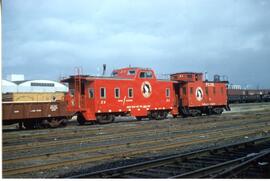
(34, 110)
(137, 92)
(248, 95)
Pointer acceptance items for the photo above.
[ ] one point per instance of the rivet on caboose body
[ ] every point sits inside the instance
(129, 91)
(196, 96)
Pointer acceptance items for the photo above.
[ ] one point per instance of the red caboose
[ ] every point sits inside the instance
(129, 91)
(196, 96)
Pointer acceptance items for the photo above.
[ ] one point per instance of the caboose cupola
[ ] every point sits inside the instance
(187, 76)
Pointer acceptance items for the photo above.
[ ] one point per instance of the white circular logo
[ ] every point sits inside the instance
(199, 94)
(146, 89)
(53, 108)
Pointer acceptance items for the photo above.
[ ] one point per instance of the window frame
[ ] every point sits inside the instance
(131, 72)
(191, 90)
(131, 92)
(146, 76)
(103, 97)
(184, 90)
(117, 88)
(72, 92)
(93, 91)
(168, 92)
(206, 91)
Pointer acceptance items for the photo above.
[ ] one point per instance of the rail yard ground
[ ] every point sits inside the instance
(63, 152)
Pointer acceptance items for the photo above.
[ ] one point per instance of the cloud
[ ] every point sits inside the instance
(228, 37)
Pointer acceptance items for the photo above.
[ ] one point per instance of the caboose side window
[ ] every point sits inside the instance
(117, 93)
(102, 92)
(130, 92)
(167, 92)
(91, 93)
(221, 90)
(191, 90)
(214, 90)
(206, 90)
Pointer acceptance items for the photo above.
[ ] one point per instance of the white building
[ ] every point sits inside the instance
(32, 86)
(15, 77)
(8, 86)
(41, 86)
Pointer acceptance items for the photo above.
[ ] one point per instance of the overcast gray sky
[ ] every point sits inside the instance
(44, 39)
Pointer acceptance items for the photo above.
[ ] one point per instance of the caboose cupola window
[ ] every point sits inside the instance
(131, 72)
(102, 92)
(147, 74)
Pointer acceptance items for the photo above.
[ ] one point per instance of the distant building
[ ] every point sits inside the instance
(235, 86)
(8, 86)
(18, 84)
(15, 77)
(41, 86)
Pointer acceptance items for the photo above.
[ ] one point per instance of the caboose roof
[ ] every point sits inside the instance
(89, 77)
(187, 73)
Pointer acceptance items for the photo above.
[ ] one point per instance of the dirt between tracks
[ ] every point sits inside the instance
(125, 138)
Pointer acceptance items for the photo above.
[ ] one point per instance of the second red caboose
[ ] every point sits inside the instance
(196, 96)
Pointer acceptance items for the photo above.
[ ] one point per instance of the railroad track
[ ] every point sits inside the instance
(91, 130)
(111, 135)
(220, 162)
(132, 151)
(141, 141)
(122, 140)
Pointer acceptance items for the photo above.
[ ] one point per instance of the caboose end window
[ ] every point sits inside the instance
(184, 91)
(167, 92)
(102, 92)
(72, 92)
(117, 93)
(91, 93)
(130, 93)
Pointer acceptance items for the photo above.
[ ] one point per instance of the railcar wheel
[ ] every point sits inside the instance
(55, 123)
(105, 119)
(28, 125)
(163, 115)
(32, 124)
(80, 119)
(218, 111)
(64, 122)
(139, 118)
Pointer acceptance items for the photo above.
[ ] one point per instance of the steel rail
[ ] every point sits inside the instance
(122, 145)
(119, 171)
(99, 138)
(30, 135)
(229, 167)
(228, 173)
(13, 171)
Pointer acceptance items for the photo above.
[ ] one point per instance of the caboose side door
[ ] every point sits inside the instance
(80, 92)
(90, 100)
